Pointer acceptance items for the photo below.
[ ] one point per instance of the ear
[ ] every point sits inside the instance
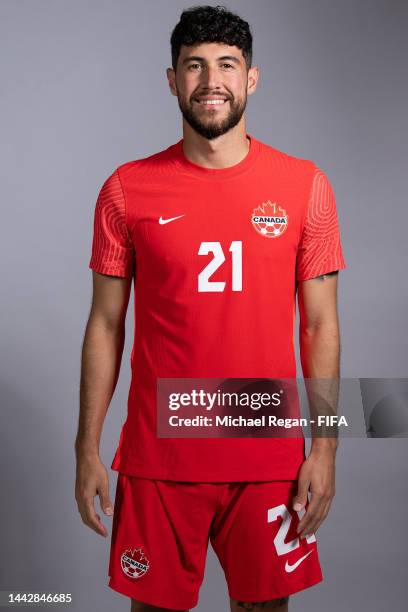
(171, 77)
(253, 76)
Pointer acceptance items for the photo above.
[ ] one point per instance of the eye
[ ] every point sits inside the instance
(192, 66)
(229, 65)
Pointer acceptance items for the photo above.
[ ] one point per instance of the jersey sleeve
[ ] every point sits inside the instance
(112, 246)
(320, 250)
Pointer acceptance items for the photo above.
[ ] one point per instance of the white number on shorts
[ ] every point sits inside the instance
(282, 547)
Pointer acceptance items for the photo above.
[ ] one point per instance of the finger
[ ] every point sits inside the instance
(92, 519)
(315, 527)
(310, 511)
(317, 518)
(314, 508)
(300, 499)
(105, 501)
(88, 523)
(81, 510)
(312, 527)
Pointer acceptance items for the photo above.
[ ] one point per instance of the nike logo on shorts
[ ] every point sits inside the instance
(290, 568)
(164, 221)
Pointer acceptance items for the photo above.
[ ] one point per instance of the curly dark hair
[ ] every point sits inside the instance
(204, 24)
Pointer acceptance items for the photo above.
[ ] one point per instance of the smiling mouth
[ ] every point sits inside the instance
(210, 103)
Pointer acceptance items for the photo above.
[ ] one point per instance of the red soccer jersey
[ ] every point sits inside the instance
(215, 255)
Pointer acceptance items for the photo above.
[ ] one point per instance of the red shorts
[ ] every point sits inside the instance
(160, 535)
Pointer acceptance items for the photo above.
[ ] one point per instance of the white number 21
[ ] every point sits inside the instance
(215, 247)
(281, 546)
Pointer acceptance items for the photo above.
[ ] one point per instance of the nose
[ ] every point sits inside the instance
(210, 77)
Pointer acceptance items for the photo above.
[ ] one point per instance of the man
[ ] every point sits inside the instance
(219, 232)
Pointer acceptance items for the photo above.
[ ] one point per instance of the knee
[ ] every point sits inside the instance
(272, 604)
(138, 606)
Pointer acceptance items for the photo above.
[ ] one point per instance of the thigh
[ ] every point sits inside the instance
(159, 541)
(254, 536)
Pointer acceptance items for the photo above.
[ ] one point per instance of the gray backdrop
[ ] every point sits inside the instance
(83, 89)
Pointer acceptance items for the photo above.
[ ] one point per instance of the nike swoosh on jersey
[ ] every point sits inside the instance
(164, 221)
(291, 568)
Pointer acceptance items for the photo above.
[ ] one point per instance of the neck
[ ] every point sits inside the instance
(222, 152)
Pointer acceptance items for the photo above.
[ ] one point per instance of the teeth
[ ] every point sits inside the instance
(212, 101)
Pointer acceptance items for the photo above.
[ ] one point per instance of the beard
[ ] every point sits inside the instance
(212, 127)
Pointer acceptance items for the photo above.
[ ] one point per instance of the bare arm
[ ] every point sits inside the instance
(101, 358)
(320, 356)
(319, 327)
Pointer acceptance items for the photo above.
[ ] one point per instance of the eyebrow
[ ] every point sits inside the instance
(202, 59)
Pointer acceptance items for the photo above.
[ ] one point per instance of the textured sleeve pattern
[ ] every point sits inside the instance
(112, 246)
(320, 249)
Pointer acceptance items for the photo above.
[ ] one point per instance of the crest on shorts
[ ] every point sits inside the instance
(134, 562)
(270, 220)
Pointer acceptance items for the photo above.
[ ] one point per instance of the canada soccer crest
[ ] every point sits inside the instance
(269, 219)
(134, 563)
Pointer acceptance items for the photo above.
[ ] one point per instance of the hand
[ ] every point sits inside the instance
(92, 479)
(318, 473)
